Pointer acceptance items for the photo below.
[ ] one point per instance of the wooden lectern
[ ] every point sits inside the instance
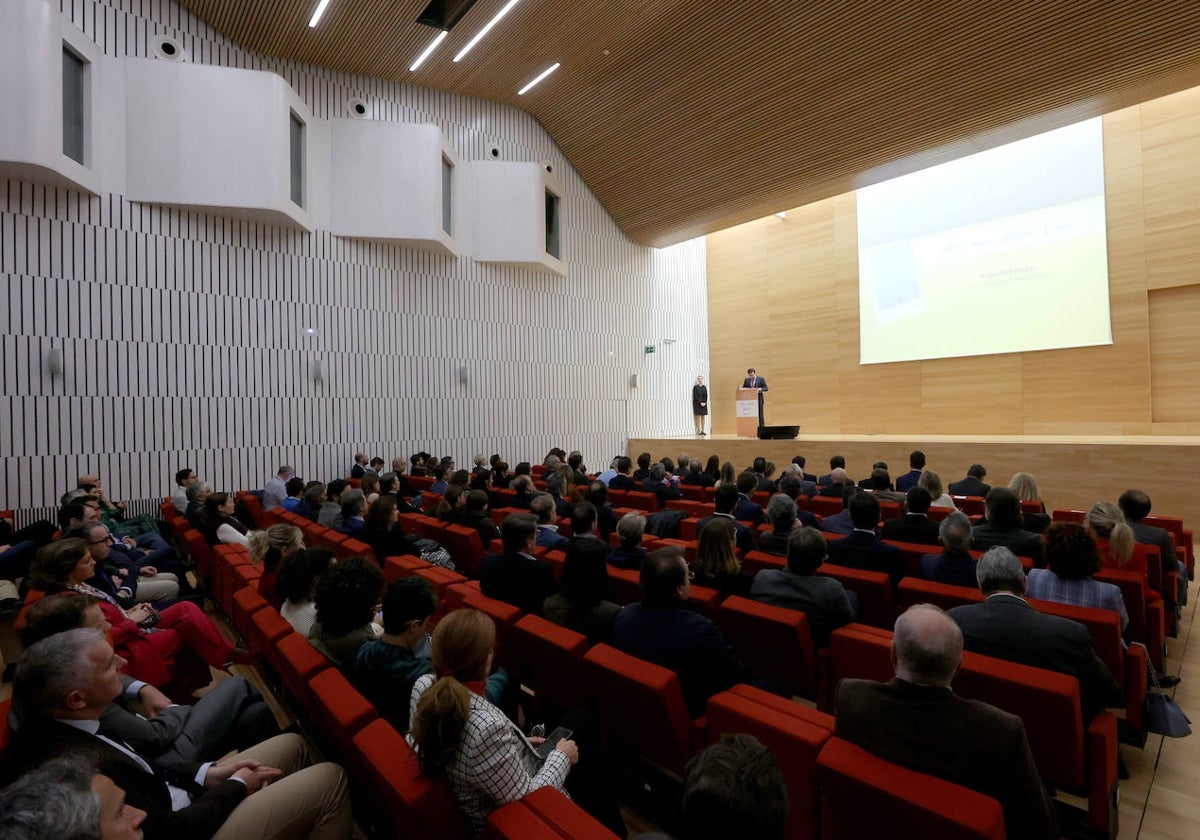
(747, 412)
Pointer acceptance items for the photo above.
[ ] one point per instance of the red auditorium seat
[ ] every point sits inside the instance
(464, 546)
(200, 553)
(255, 509)
(774, 642)
(937, 514)
(625, 585)
(1147, 622)
(297, 662)
(643, 708)
(395, 568)
(342, 711)
(970, 505)
(825, 505)
(267, 627)
(755, 561)
(865, 796)
(246, 602)
(515, 821)
(564, 816)
(506, 617)
(795, 735)
(552, 662)
(876, 606)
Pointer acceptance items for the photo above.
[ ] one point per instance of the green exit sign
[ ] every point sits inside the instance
(649, 348)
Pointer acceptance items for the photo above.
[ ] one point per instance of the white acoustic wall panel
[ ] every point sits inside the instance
(508, 214)
(184, 337)
(32, 39)
(216, 138)
(386, 183)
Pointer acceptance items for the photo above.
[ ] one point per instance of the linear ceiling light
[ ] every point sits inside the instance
(428, 50)
(540, 76)
(487, 28)
(316, 18)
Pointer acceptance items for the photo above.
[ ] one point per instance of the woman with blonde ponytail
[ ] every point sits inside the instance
(459, 734)
(1113, 535)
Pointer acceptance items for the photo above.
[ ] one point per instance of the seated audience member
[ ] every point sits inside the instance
(916, 465)
(914, 526)
(330, 514)
(125, 580)
(748, 510)
(835, 462)
(359, 469)
(275, 490)
(880, 483)
(862, 548)
(218, 525)
(1003, 527)
(584, 526)
(439, 480)
(1007, 627)
(295, 494)
(196, 493)
(629, 554)
(792, 486)
(584, 603)
(781, 512)
(643, 470)
(610, 473)
(717, 567)
(369, 487)
(865, 483)
(661, 629)
(231, 716)
(837, 484)
(501, 477)
(1025, 487)
(1135, 504)
(800, 461)
(179, 499)
(1114, 540)
(383, 532)
(516, 576)
(822, 599)
(624, 479)
(954, 565)
(269, 548)
(1072, 558)
(544, 509)
(296, 585)
(734, 789)
(375, 467)
(840, 522)
(354, 504)
(522, 486)
(725, 502)
(696, 476)
(762, 469)
(728, 474)
(164, 647)
(347, 598)
(932, 482)
(606, 520)
(418, 461)
(67, 798)
(662, 485)
(973, 484)
(712, 468)
(918, 722)
(557, 489)
(578, 470)
(67, 680)
(312, 500)
(465, 738)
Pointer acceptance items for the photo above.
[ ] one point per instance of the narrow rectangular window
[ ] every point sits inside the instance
(74, 110)
(447, 196)
(297, 159)
(553, 247)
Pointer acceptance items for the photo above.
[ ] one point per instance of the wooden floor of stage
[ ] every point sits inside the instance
(1072, 472)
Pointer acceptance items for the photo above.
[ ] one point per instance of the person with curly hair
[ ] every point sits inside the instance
(1072, 557)
(347, 607)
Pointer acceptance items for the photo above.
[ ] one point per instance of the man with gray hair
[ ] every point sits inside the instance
(917, 721)
(275, 490)
(65, 681)
(629, 554)
(954, 565)
(1007, 627)
(781, 513)
(67, 798)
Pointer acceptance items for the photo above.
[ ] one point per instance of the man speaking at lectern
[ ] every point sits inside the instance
(753, 380)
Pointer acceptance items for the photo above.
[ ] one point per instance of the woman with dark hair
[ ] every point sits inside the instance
(347, 600)
(713, 467)
(369, 487)
(460, 735)
(728, 474)
(500, 476)
(583, 604)
(449, 508)
(296, 584)
(218, 525)
(269, 548)
(171, 649)
(382, 531)
(1073, 558)
(717, 566)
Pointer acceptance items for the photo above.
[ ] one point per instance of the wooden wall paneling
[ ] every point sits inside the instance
(1174, 362)
(1171, 146)
(983, 398)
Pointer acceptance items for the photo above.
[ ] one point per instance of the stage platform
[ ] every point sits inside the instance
(1072, 471)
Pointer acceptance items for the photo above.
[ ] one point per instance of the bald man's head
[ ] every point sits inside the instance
(927, 646)
(838, 476)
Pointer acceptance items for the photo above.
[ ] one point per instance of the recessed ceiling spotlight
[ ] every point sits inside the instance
(487, 28)
(441, 36)
(540, 76)
(316, 18)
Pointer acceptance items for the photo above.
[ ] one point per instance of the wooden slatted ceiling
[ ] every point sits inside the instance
(706, 113)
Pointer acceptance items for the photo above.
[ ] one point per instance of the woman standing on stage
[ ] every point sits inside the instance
(699, 403)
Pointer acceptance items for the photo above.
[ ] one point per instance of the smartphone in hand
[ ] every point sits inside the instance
(552, 740)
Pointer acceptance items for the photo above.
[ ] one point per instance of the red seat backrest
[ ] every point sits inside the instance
(773, 641)
(876, 606)
(552, 662)
(915, 590)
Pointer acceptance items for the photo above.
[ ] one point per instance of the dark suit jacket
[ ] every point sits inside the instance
(912, 528)
(1022, 542)
(357, 471)
(517, 579)
(931, 730)
(622, 482)
(1006, 627)
(551, 539)
(832, 491)
(956, 568)
(822, 599)
(907, 481)
(664, 492)
(748, 510)
(755, 382)
(623, 559)
(38, 741)
(838, 523)
(860, 550)
(1161, 537)
(969, 486)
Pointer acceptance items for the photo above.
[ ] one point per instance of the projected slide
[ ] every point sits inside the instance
(999, 252)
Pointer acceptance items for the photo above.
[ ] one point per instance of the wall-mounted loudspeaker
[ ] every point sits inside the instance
(462, 376)
(167, 49)
(493, 153)
(54, 361)
(549, 167)
(357, 108)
